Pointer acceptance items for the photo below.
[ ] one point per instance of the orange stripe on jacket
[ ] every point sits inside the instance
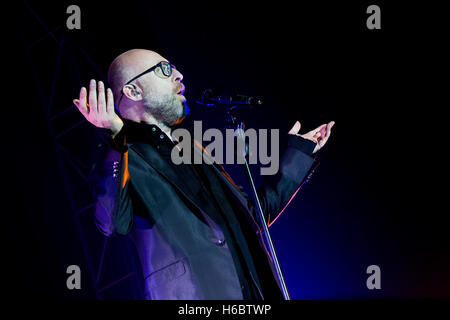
(126, 173)
(224, 173)
(227, 176)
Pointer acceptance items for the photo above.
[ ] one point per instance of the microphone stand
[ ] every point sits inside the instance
(235, 123)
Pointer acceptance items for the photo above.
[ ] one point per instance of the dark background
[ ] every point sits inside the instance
(373, 199)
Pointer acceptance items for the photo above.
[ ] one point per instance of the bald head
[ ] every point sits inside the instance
(128, 65)
(152, 96)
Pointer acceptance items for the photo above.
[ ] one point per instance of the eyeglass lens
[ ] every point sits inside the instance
(166, 69)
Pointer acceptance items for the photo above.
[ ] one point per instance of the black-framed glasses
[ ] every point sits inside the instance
(164, 66)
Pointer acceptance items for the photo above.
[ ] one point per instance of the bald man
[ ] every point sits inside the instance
(195, 231)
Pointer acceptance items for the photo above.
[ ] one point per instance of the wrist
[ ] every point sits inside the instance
(115, 129)
(305, 145)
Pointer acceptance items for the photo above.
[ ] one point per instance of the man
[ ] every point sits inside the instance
(196, 233)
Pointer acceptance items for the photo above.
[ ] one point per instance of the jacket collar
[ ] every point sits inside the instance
(146, 133)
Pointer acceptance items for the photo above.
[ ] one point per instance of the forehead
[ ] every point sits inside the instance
(140, 60)
(149, 59)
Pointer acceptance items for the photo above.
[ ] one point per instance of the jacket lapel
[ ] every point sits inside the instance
(229, 183)
(154, 159)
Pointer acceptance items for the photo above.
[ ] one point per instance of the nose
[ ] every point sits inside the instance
(177, 75)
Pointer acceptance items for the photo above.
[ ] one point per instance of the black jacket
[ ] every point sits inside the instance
(181, 247)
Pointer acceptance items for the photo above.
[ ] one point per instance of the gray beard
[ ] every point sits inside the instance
(166, 110)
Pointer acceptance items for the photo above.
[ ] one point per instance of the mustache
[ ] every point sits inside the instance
(180, 88)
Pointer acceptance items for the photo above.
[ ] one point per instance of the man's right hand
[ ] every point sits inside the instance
(100, 110)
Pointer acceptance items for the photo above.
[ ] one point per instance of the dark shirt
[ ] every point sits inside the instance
(207, 188)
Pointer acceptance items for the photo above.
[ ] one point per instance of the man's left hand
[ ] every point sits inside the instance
(319, 135)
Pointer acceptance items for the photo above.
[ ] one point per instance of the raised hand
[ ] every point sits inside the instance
(319, 135)
(100, 109)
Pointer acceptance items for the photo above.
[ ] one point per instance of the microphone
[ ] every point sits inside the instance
(212, 98)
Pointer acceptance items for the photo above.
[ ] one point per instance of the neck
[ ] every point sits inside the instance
(149, 119)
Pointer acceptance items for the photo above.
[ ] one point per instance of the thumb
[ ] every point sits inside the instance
(296, 128)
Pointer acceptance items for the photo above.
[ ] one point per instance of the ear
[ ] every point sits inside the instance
(132, 92)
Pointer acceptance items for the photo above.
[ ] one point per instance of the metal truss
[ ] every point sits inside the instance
(60, 68)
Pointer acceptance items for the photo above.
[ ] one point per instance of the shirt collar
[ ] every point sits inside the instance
(144, 132)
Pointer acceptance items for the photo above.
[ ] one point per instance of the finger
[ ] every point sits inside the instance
(82, 102)
(322, 128)
(296, 128)
(101, 101)
(316, 137)
(76, 102)
(93, 96)
(330, 125)
(327, 136)
(321, 143)
(110, 101)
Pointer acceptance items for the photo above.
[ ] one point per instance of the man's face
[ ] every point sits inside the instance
(163, 95)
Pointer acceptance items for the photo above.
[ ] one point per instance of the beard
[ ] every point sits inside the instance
(167, 109)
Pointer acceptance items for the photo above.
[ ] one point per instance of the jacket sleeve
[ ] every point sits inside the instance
(110, 183)
(296, 168)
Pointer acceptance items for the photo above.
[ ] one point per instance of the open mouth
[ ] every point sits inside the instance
(181, 91)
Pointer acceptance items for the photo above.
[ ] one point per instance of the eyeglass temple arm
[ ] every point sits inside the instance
(141, 74)
(129, 81)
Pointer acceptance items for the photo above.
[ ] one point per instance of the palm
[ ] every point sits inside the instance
(319, 135)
